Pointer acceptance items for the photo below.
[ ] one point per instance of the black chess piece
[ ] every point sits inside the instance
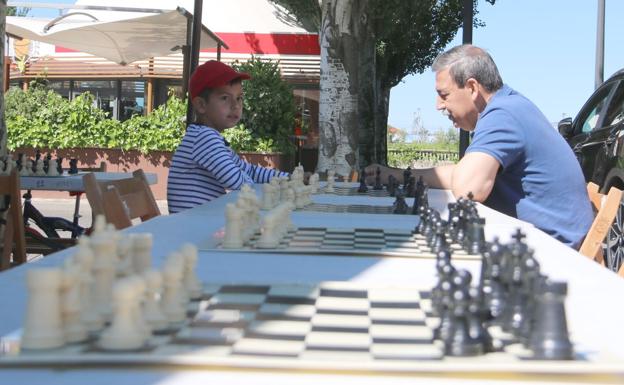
(363, 188)
(400, 206)
(549, 339)
(439, 241)
(476, 236)
(73, 166)
(391, 185)
(492, 286)
(378, 185)
(531, 278)
(478, 315)
(410, 188)
(459, 342)
(46, 162)
(407, 173)
(59, 165)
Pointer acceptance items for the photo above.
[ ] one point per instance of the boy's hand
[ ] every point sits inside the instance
(371, 173)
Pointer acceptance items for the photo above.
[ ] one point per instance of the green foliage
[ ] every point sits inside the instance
(405, 154)
(269, 106)
(41, 118)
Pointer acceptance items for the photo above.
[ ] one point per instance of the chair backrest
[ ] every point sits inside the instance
(607, 210)
(13, 229)
(595, 197)
(122, 200)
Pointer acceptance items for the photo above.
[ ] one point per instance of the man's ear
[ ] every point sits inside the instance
(474, 87)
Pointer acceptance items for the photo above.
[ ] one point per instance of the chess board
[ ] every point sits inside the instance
(330, 327)
(348, 208)
(347, 242)
(342, 189)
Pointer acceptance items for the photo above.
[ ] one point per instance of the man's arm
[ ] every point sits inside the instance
(475, 173)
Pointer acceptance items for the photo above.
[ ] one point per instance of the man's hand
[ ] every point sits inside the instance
(371, 173)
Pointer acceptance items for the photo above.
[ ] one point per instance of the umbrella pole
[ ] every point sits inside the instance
(194, 54)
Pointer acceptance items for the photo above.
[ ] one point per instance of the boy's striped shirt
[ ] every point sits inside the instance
(204, 167)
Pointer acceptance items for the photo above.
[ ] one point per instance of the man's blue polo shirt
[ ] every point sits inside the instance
(540, 180)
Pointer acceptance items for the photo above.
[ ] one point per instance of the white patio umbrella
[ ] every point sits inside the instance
(122, 41)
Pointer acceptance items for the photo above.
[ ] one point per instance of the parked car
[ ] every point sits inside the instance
(596, 136)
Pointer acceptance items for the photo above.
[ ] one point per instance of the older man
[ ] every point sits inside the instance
(516, 163)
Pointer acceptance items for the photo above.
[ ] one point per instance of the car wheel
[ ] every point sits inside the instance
(614, 242)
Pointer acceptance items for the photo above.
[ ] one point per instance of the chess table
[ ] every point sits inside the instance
(594, 314)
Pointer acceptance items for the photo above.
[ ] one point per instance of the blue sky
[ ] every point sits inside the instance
(545, 49)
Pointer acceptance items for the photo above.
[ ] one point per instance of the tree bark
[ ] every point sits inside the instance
(346, 107)
(3, 130)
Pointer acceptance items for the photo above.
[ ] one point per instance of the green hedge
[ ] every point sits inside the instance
(41, 118)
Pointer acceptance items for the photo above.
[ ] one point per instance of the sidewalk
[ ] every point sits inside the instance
(65, 208)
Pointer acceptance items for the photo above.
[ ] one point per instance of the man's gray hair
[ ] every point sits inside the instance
(467, 61)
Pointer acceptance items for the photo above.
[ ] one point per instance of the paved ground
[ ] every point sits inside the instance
(65, 208)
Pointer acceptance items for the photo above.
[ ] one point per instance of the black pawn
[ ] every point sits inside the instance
(476, 236)
(73, 166)
(378, 185)
(407, 173)
(363, 188)
(459, 342)
(400, 206)
(391, 185)
(59, 165)
(550, 340)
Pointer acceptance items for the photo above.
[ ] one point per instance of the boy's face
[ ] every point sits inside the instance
(223, 108)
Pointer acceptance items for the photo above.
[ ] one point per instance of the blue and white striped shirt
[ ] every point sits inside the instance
(203, 167)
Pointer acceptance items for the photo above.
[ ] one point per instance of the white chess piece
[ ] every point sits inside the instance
(53, 168)
(142, 251)
(123, 333)
(91, 318)
(104, 248)
(125, 254)
(26, 168)
(267, 196)
(269, 238)
(39, 168)
(152, 309)
(233, 238)
(330, 181)
(71, 302)
(172, 304)
(314, 182)
(192, 283)
(140, 287)
(43, 327)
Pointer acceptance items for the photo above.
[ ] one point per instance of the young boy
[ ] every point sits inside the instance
(204, 167)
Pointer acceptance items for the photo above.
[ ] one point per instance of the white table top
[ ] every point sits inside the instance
(595, 313)
(73, 182)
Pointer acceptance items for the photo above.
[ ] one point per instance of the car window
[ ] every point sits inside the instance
(591, 114)
(615, 112)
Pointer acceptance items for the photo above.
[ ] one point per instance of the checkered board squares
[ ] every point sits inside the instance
(353, 242)
(353, 209)
(353, 190)
(298, 320)
(330, 327)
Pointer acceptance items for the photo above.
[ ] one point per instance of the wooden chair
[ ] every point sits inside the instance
(607, 209)
(14, 242)
(595, 197)
(121, 201)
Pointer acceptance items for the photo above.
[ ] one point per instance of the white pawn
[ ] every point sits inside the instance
(125, 263)
(53, 168)
(152, 309)
(43, 327)
(330, 181)
(300, 199)
(71, 302)
(124, 333)
(139, 286)
(192, 283)
(104, 248)
(172, 304)
(91, 318)
(142, 251)
(268, 192)
(314, 182)
(269, 239)
(39, 168)
(26, 169)
(233, 238)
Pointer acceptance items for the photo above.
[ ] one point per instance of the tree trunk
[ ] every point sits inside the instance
(380, 134)
(3, 130)
(346, 115)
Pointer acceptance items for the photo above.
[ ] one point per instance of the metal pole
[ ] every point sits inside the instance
(467, 15)
(600, 43)
(194, 54)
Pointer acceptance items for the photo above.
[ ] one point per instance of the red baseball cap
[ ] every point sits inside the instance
(213, 74)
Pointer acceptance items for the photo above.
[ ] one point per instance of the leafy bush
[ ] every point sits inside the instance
(41, 118)
(269, 108)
